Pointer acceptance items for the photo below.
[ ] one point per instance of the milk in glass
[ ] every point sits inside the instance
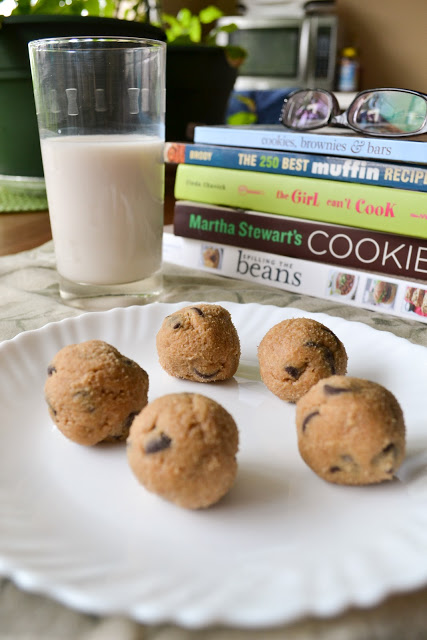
(105, 195)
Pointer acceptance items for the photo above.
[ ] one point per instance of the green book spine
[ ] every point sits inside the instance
(356, 205)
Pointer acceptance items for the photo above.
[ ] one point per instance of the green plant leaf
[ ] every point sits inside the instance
(23, 7)
(50, 7)
(211, 37)
(93, 8)
(168, 18)
(110, 9)
(183, 39)
(228, 28)
(27, 7)
(235, 52)
(195, 30)
(184, 17)
(174, 30)
(186, 28)
(210, 14)
(137, 12)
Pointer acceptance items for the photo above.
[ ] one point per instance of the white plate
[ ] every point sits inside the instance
(75, 524)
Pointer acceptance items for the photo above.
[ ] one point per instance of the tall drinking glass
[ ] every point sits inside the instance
(100, 106)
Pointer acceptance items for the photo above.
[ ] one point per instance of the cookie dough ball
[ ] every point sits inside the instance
(183, 447)
(351, 431)
(297, 353)
(199, 343)
(93, 392)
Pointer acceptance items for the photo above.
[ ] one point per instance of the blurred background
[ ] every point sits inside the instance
(340, 45)
(389, 35)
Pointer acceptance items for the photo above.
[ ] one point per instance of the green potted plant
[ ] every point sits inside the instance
(200, 74)
(20, 154)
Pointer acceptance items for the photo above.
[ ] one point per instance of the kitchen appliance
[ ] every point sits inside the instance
(294, 49)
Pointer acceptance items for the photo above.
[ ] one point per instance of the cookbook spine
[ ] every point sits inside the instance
(353, 287)
(354, 170)
(386, 253)
(280, 139)
(354, 205)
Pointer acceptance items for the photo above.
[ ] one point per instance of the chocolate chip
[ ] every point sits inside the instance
(329, 390)
(206, 376)
(174, 321)
(158, 444)
(347, 458)
(327, 354)
(334, 469)
(294, 372)
(130, 419)
(50, 370)
(331, 333)
(81, 393)
(199, 311)
(52, 409)
(83, 396)
(390, 447)
(308, 418)
(330, 359)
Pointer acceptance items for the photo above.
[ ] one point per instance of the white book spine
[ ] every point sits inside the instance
(292, 274)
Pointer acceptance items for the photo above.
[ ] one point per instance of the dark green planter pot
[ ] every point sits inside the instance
(19, 139)
(199, 81)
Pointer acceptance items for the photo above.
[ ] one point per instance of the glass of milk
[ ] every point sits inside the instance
(100, 106)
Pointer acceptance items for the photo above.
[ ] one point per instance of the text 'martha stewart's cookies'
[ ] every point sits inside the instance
(93, 392)
(182, 447)
(351, 431)
(199, 343)
(297, 353)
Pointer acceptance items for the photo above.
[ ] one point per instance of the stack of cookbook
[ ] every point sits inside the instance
(339, 216)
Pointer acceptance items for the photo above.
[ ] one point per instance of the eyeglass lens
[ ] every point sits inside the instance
(378, 112)
(308, 110)
(388, 112)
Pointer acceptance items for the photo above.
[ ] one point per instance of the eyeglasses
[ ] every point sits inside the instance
(375, 112)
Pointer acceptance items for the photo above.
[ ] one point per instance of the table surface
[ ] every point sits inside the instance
(29, 299)
(23, 230)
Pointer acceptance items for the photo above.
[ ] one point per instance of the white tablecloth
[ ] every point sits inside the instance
(28, 300)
